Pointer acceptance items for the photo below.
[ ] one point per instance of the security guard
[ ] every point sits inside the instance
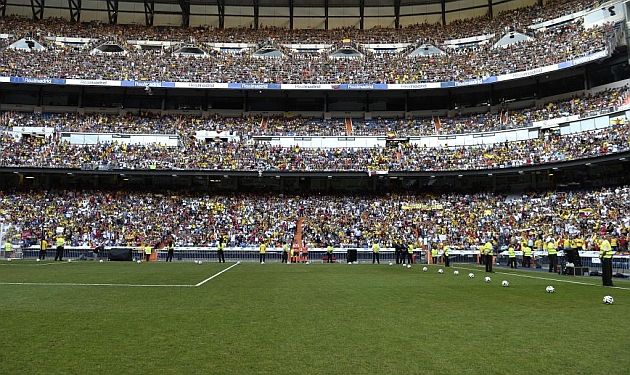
(147, 252)
(398, 250)
(434, 255)
(8, 249)
(512, 257)
(170, 251)
(552, 252)
(220, 249)
(375, 253)
(285, 253)
(527, 256)
(487, 252)
(606, 254)
(43, 245)
(262, 252)
(410, 254)
(329, 252)
(59, 242)
(447, 262)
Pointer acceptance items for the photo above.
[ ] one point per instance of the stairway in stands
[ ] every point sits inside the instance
(297, 239)
(348, 126)
(438, 125)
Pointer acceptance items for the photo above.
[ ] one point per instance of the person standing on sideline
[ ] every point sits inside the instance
(59, 242)
(527, 256)
(605, 254)
(512, 256)
(147, 252)
(170, 251)
(329, 252)
(434, 255)
(552, 252)
(445, 254)
(487, 252)
(375, 255)
(398, 251)
(305, 253)
(220, 250)
(285, 253)
(43, 245)
(410, 254)
(8, 249)
(262, 251)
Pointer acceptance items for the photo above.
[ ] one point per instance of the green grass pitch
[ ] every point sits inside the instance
(305, 319)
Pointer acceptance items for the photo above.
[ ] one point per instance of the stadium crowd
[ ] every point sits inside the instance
(517, 19)
(291, 125)
(251, 155)
(553, 45)
(87, 217)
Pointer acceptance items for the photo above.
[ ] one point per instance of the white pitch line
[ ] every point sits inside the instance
(88, 284)
(217, 274)
(546, 278)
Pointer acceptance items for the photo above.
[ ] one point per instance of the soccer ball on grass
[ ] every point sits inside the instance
(471, 275)
(609, 300)
(550, 289)
(505, 283)
(487, 279)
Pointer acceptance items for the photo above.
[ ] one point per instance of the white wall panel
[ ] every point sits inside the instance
(275, 22)
(87, 16)
(238, 11)
(460, 4)
(370, 23)
(337, 23)
(212, 21)
(380, 11)
(308, 12)
(167, 20)
(131, 18)
(412, 20)
(238, 21)
(309, 23)
(471, 13)
(334, 12)
(273, 11)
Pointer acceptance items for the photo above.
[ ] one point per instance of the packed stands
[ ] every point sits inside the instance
(129, 218)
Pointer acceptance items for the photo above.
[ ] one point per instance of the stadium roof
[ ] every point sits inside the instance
(390, 11)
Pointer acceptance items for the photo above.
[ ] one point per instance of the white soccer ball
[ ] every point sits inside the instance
(139, 261)
(69, 260)
(8, 259)
(390, 263)
(101, 261)
(609, 300)
(425, 269)
(409, 266)
(505, 283)
(455, 273)
(440, 271)
(487, 279)
(471, 275)
(200, 262)
(550, 289)
(38, 260)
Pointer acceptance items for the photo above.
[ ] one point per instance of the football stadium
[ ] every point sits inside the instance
(314, 186)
